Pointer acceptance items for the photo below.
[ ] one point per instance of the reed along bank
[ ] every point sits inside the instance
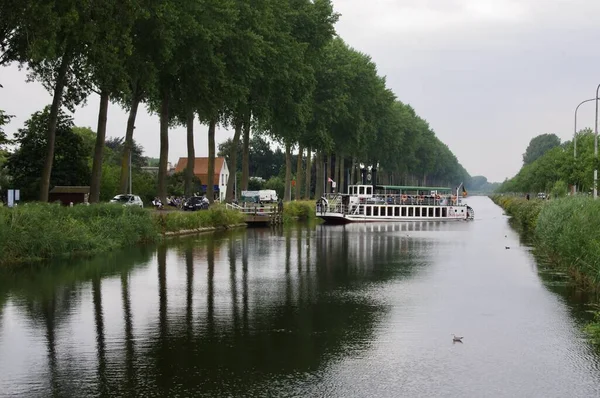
(36, 232)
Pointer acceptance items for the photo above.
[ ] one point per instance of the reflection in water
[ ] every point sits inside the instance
(301, 311)
(129, 344)
(99, 321)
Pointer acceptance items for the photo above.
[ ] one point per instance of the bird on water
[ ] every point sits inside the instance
(457, 339)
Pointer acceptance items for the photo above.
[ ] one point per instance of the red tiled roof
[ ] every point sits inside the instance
(201, 169)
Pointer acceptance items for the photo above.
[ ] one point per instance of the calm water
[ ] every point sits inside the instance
(359, 311)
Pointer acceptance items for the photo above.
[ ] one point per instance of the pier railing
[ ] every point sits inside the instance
(254, 209)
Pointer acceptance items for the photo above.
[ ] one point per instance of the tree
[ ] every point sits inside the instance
(26, 163)
(538, 146)
(106, 59)
(4, 120)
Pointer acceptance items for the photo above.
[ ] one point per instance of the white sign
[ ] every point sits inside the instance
(17, 195)
(11, 197)
(368, 177)
(332, 184)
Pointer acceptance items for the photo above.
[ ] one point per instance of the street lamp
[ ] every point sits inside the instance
(596, 146)
(575, 129)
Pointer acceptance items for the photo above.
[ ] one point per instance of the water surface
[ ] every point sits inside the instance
(364, 310)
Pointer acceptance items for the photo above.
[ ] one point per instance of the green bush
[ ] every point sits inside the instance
(35, 232)
(42, 231)
(216, 217)
(299, 210)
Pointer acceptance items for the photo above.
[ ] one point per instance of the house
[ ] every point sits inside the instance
(219, 179)
(68, 195)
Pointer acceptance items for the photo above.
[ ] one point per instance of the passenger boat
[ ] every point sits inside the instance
(364, 203)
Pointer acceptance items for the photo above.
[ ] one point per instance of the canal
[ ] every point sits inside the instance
(365, 310)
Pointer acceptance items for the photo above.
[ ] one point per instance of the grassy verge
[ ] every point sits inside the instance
(216, 217)
(302, 210)
(567, 231)
(36, 232)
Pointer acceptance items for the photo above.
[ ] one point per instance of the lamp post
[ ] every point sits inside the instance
(596, 146)
(575, 128)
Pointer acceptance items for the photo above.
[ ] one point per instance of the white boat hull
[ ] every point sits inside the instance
(449, 213)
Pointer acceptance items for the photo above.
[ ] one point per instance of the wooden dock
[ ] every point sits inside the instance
(259, 214)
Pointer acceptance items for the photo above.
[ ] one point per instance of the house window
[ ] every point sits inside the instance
(222, 179)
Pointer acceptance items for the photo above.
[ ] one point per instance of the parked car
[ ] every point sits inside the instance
(195, 203)
(128, 200)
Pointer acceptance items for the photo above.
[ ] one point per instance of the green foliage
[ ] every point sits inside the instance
(525, 212)
(43, 231)
(481, 184)
(538, 146)
(299, 210)
(277, 184)
(592, 329)
(26, 163)
(4, 119)
(114, 150)
(215, 217)
(557, 164)
(560, 189)
(176, 184)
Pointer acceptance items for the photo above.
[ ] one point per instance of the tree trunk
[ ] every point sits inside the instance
(164, 148)
(191, 160)
(342, 175)
(318, 175)
(336, 174)
(99, 148)
(61, 80)
(352, 172)
(233, 159)
(308, 173)
(329, 174)
(246, 154)
(128, 146)
(299, 172)
(288, 173)
(210, 189)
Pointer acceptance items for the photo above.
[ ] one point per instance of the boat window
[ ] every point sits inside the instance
(369, 190)
(418, 212)
(431, 212)
(376, 211)
(403, 211)
(382, 211)
(410, 212)
(437, 211)
(362, 190)
(390, 211)
(396, 211)
(444, 212)
(424, 211)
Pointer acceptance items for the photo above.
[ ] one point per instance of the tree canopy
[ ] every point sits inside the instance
(271, 70)
(538, 146)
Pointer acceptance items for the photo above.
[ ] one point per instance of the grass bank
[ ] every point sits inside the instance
(216, 217)
(567, 232)
(36, 232)
(301, 210)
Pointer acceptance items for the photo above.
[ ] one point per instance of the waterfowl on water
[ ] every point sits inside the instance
(457, 339)
(506, 247)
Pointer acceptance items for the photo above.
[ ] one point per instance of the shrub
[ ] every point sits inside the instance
(42, 231)
(299, 210)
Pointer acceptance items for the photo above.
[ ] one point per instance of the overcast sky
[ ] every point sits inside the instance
(488, 75)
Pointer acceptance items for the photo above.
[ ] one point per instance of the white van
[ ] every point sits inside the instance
(267, 196)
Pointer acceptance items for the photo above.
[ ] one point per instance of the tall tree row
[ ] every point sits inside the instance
(274, 68)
